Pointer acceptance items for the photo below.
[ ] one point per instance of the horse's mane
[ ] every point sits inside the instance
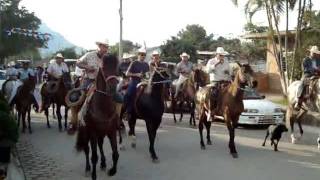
(110, 64)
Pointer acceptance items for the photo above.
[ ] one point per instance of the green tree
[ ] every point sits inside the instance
(13, 16)
(127, 47)
(68, 53)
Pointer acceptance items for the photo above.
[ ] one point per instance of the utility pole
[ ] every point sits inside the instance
(120, 42)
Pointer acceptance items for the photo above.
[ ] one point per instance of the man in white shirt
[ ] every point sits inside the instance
(218, 67)
(57, 68)
(11, 72)
(184, 69)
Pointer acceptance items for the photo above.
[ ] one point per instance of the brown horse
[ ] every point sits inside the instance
(201, 78)
(23, 101)
(101, 118)
(57, 98)
(228, 107)
(186, 95)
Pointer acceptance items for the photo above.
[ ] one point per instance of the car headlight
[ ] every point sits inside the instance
(251, 110)
(277, 110)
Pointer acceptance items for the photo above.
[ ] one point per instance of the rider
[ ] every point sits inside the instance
(11, 72)
(126, 60)
(218, 67)
(156, 63)
(184, 69)
(136, 71)
(310, 68)
(57, 68)
(25, 71)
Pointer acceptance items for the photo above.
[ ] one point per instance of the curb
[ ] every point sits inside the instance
(15, 169)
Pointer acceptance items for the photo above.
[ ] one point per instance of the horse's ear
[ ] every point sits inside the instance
(238, 63)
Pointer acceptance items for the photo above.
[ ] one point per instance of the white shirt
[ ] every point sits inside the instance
(57, 70)
(91, 59)
(12, 72)
(219, 72)
(79, 72)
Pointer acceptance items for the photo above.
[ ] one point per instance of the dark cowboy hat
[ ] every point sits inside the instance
(75, 97)
(52, 86)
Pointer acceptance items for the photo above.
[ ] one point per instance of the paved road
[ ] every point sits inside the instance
(49, 154)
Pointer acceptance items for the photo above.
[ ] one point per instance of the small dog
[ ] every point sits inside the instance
(275, 131)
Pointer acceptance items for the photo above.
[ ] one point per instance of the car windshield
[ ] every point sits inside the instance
(250, 93)
(2, 76)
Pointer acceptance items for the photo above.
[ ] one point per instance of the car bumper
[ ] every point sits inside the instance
(261, 119)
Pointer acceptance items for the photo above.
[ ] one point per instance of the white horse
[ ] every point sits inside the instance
(9, 89)
(293, 115)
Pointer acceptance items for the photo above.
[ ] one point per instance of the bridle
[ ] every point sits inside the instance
(106, 80)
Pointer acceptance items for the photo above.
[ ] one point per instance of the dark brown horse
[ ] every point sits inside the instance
(23, 101)
(149, 106)
(101, 118)
(57, 98)
(186, 95)
(229, 105)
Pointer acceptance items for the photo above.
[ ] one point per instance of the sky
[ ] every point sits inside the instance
(83, 22)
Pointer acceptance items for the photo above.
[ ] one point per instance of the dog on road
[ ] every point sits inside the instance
(275, 131)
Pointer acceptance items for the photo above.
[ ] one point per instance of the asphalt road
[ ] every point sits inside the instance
(50, 154)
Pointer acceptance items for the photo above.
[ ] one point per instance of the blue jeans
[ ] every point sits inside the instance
(130, 96)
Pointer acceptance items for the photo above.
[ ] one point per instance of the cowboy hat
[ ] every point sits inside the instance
(11, 63)
(104, 42)
(24, 61)
(52, 61)
(52, 86)
(75, 97)
(127, 56)
(314, 49)
(142, 50)
(184, 54)
(155, 53)
(221, 51)
(59, 55)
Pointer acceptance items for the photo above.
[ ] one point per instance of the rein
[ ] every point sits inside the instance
(106, 81)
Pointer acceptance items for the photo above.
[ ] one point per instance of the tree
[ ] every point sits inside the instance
(127, 47)
(13, 16)
(68, 53)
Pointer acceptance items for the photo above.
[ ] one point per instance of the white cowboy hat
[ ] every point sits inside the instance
(104, 42)
(11, 63)
(184, 54)
(127, 56)
(52, 61)
(59, 55)
(155, 53)
(221, 51)
(24, 61)
(314, 49)
(142, 50)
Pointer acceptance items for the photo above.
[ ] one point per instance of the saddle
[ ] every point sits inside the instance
(312, 87)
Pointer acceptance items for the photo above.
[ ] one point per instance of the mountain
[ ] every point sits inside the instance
(56, 42)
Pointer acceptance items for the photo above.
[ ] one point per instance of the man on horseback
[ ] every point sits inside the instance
(219, 71)
(184, 69)
(136, 72)
(156, 63)
(57, 68)
(311, 69)
(11, 72)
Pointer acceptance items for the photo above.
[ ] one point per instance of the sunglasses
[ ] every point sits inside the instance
(142, 54)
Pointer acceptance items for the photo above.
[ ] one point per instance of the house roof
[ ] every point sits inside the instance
(266, 35)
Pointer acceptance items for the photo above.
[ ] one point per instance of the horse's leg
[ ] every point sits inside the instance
(232, 147)
(181, 111)
(103, 158)
(152, 131)
(290, 122)
(19, 118)
(265, 139)
(86, 152)
(299, 119)
(208, 126)
(115, 154)
(46, 112)
(66, 109)
(53, 111)
(201, 121)
(192, 112)
(59, 116)
(173, 108)
(132, 123)
(94, 156)
(23, 113)
(29, 120)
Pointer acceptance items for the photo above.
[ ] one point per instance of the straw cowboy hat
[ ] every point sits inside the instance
(59, 55)
(314, 49)
(127, 56)
(155, 53)
(104, 42)
(52, 86)
(75, 97)
(221, 51)
(142, 50)
(184, 54)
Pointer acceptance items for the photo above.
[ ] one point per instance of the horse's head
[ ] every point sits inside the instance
(106, 80)
(66, 80)
(245, 76)
(200, 78)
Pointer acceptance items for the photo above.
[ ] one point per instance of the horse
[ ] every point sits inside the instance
(229, 106)
(187, 94)
(293, 115)
(201, 78)
(149, 106)
(101, 118)
(23, 101)
(57, 98)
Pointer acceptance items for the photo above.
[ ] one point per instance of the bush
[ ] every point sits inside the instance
(4, 107)
(8, 128)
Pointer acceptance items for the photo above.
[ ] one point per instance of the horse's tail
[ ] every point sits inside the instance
(82, 139)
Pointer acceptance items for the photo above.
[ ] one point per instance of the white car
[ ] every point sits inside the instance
(2, 77)
(259, 111)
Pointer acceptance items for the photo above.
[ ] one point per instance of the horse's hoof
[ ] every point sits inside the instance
(112, 171)
(122, 147)
(30, 131)
(155, 160)
(263, 144)
(234, 155)
(103, 167)
(209, 143)
(87, 174)
(48, 126)
(203, 147)
(133, 145)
